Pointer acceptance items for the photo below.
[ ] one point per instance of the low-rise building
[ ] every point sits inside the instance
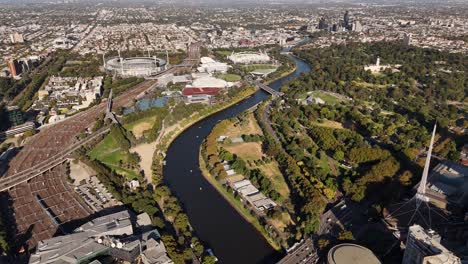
(211, 66)
(119, 235)
(199, 95)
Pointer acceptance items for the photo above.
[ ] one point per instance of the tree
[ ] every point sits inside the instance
(323, 243)
(209, 259)
(345, 235)
(339, 155)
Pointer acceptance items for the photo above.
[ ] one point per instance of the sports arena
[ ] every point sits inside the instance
(135, 66)
(249, 57)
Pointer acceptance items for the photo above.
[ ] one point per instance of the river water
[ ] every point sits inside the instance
(216, 223)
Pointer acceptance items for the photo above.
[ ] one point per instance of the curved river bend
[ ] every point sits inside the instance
(216, 223)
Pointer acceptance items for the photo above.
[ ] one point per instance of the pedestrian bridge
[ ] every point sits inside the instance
(269, 90)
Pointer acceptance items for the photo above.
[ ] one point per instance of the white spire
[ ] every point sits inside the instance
(422, 185)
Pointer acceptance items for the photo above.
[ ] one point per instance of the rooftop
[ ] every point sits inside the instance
(351, 254)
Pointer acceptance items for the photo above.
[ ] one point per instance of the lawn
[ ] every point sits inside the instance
(369, 85)
(254, 67)
(224, 53)
(228, 77)
(108, 151)
(329, 124)
(246, 150)
(271, 170)
(140, 126)
(248, 126)
(328, 98)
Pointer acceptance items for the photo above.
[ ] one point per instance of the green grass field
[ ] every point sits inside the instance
(254, 67)
(224, 52)
(328, 98)
(108, 151)
(229, 77)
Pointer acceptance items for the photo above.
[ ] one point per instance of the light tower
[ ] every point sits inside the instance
(167, 59)
(121, 64)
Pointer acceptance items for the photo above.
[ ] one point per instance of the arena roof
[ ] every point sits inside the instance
(348, 253)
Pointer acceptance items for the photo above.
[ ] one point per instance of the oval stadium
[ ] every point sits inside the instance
(135, 66)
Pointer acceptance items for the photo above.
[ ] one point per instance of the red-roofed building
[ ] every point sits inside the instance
(199, 95)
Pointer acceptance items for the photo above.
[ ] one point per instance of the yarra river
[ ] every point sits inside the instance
(216, 223)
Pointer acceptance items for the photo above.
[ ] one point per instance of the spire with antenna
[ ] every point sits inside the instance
(421, 193)
(415, 206)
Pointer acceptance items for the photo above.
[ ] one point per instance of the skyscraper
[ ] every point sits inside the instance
(356, 26)
(346, 20)
(423, 246)
(322, 23)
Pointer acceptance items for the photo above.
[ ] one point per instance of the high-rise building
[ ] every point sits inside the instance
(424, 247)
(346, 20)
(14, 67)
(322, 23)
(356, 26)
(407, 39)
(16, 38)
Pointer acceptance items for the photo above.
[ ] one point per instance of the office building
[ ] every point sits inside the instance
(346, 20)
(424, 247)
(14, 67)
(356, 26)
(407, 39)
(323, 25)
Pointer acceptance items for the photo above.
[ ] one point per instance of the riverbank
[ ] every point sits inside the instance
(169, 138)
(236, 204)
(284, 74)
(218, 223)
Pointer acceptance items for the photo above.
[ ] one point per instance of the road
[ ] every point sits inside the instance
(304, 253)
